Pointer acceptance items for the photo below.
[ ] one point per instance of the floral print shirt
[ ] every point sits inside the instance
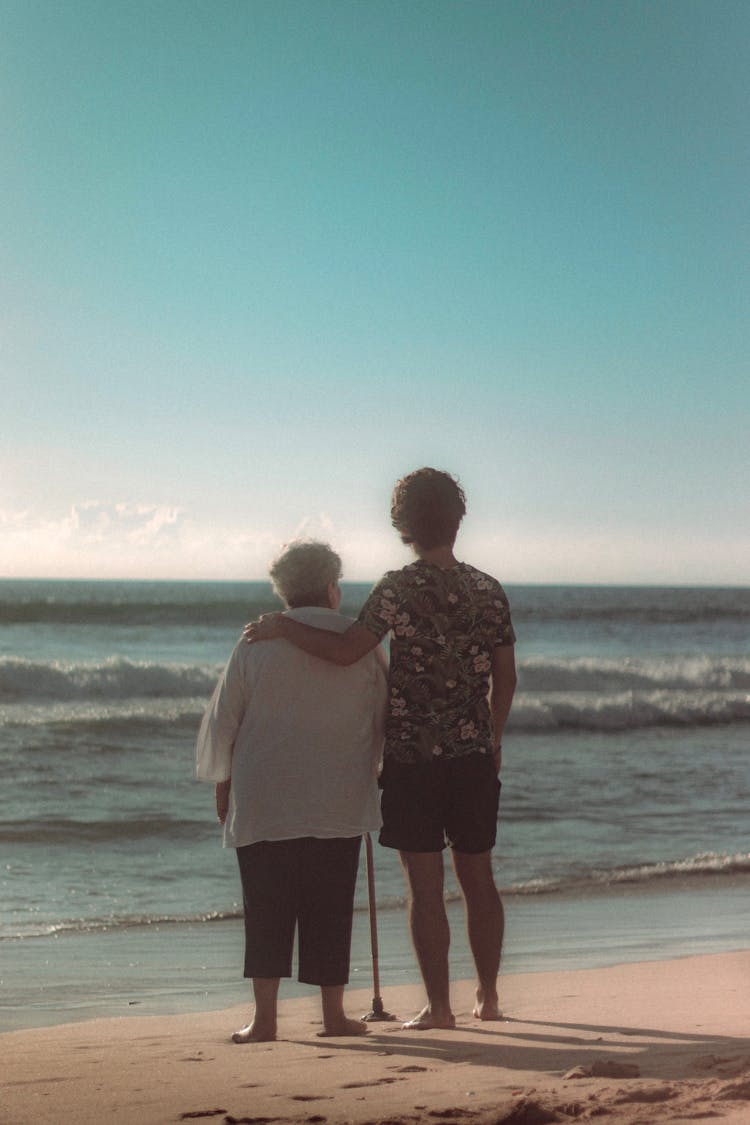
(444, 626)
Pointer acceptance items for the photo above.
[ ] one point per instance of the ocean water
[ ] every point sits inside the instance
(624, 827)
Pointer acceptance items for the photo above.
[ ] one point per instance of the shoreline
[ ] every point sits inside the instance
(181, 968)
(644, 1041)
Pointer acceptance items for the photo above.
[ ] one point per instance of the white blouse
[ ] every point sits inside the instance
(301, 739)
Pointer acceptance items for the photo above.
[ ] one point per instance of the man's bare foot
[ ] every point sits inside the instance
(344, 1026)
(253, 1033)
(486, 1007)
(427, 1020)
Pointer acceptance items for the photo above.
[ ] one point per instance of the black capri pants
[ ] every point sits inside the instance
(307, 884)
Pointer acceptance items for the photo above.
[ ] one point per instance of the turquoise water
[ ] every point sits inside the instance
(626, 785)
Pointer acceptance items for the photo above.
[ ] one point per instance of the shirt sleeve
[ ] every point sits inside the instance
(222, 720)
(378, 614)
(505, 634)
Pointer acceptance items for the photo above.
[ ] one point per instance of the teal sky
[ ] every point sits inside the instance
(261, 259)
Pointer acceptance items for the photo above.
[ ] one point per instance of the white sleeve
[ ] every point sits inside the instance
(222, 720)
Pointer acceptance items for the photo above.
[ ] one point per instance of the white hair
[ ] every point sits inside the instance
(303, 571)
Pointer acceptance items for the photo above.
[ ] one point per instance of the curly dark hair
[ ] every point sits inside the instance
(427, 507)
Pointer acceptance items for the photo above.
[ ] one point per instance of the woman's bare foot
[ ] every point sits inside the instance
(487, 1007)
(427, 1020)
(343, 1026)
(254, 1033)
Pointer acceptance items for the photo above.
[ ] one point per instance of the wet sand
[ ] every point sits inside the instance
(635, 1043)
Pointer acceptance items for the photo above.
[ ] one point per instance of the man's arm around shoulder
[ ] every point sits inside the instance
(338, 648)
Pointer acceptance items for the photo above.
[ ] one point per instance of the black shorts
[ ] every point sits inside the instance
(305, 883)
(431, 805)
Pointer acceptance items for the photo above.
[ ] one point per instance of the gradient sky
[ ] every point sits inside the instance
(261, 259)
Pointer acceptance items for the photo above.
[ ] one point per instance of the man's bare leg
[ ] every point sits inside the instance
(335, 1021)
(430, 935)
(263, 1027)
(485, 921)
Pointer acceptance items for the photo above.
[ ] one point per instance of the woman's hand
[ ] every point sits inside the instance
(222, 799)
(267, 628)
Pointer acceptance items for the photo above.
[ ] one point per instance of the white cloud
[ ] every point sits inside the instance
(320, 526)
(96, 539)
(128, 540)
(141, 524)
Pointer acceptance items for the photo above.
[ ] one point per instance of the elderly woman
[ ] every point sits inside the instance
(293, 744)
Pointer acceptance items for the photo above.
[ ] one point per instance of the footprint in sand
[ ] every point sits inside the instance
(230, 1120)
(198, 1113)
(374, 1082)
(648, 1095)
(735, 1091)
(456, 1111)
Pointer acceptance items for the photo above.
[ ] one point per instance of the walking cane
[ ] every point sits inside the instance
(377, 1012)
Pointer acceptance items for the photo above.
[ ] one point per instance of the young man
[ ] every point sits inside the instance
(450, 686)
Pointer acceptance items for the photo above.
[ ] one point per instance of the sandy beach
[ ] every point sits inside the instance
(644, 1042)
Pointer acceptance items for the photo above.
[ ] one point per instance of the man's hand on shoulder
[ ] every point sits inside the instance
(267, 628)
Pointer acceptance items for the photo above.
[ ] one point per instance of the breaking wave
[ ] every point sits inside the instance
(114, 679)
(554, 694)
(700, 866)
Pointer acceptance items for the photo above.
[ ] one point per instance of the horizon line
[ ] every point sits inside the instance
(612, 585)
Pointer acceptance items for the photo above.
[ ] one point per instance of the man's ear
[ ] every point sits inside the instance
(334, 594)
